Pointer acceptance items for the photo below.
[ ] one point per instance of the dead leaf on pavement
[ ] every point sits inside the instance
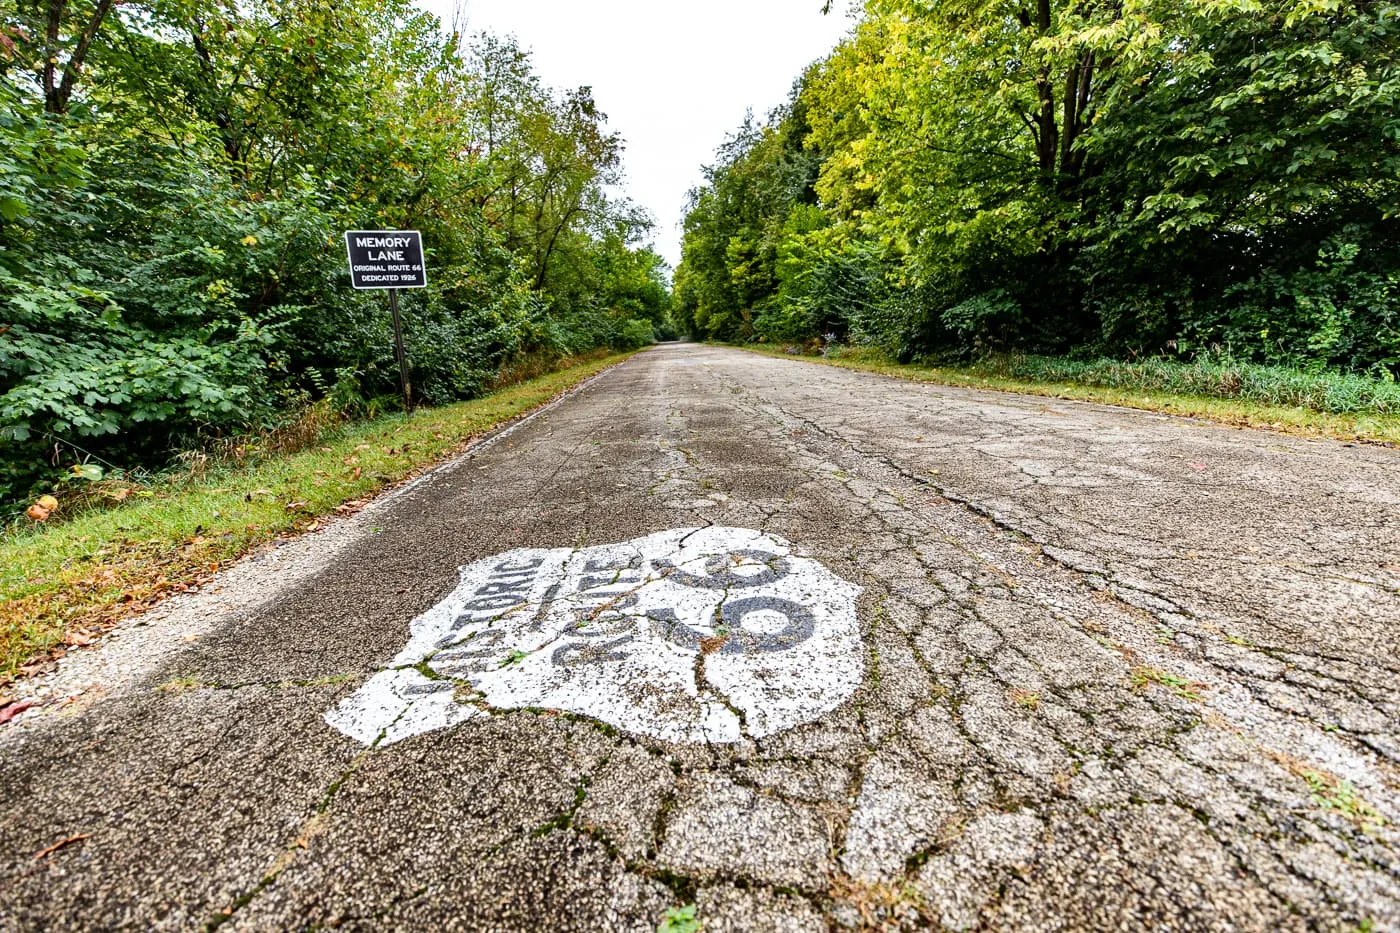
(14, 709)
(713, 644)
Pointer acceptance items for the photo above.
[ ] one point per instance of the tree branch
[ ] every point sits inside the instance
(75, 61)
(52, 25)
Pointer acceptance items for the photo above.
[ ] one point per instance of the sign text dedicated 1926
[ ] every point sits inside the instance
(386, 259)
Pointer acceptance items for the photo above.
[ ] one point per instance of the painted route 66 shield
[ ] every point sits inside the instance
(691, 635)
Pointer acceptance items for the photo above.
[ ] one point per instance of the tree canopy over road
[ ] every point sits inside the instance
(1130, 177)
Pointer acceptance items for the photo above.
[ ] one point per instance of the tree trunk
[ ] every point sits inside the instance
(58, 92)
(1047, 138)
(52, 27)
(1078, 82)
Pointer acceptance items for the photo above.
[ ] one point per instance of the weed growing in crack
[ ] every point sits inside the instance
(880, 906)
(679, 920)
(1186, 689)
(330, 680)
(1026, 699)
(1332, 793)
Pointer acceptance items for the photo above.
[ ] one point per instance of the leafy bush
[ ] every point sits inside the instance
(171, 264)
(1153, 179)
(1211, 377)
(633, 335)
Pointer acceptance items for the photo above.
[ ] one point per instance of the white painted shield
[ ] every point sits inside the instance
(691, 635)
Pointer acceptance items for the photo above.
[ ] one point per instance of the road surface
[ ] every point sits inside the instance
(808, 648)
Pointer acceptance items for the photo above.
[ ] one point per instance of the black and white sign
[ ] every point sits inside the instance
(386, 259)
(696, 635)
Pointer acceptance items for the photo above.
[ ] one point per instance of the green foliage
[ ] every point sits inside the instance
(1135, 179)
(1337, 393)
(58, 577)
(679, 920)
(736, 223)
(1143, 676)
(634, 334)
(171, 267)
(1332, 793)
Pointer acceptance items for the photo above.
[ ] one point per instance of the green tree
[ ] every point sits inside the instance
(174, 182)
(1129, 176)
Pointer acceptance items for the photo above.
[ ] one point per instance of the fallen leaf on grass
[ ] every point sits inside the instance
(45, 853)
(79, 638)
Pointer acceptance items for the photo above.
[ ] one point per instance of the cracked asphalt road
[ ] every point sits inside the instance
(1118, 670)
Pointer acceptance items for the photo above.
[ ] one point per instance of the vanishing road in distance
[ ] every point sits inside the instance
(807, 648)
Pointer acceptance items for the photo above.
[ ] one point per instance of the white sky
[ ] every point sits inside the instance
(673, 76)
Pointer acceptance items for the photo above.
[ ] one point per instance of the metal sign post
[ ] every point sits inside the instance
(389, 260)
(400, 352)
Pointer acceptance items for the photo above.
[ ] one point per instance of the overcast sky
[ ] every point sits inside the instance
(673, 76)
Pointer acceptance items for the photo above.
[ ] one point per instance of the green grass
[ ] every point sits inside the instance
(64, 582)
(1341, 406)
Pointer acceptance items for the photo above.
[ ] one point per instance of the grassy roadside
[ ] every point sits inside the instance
(1368, 426)
(62, 585)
